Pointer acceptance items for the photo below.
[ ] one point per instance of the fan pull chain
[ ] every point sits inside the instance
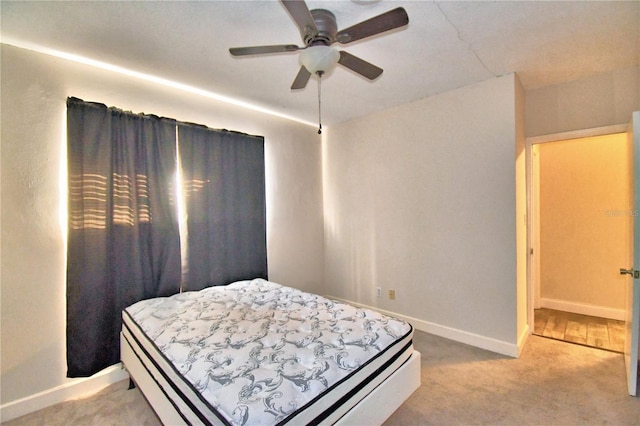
(319, 102)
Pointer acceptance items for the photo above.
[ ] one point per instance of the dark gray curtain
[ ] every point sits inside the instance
(123, 240)
(224, 178)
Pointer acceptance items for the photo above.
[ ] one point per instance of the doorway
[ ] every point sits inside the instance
(579, 212)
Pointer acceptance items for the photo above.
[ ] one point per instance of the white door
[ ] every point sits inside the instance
(633, 283)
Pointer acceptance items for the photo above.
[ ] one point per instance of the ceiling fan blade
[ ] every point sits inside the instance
(360, 66)
(259, 50)
(301, 79)
(387, 21)
(302, 16)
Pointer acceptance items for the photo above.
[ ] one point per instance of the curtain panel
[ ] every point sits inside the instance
(224, 181)
(123, 237)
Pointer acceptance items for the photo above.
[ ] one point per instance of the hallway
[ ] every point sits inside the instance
(584, 330)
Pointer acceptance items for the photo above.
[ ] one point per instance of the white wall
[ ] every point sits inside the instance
(34, 92)
(421, 198)
(602, 100)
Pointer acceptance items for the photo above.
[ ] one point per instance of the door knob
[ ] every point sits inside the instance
(634, 274)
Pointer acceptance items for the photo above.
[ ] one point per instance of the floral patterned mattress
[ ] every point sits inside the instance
(258, 353)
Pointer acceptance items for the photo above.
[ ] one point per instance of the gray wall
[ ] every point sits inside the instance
(422, 199)
(602, 100)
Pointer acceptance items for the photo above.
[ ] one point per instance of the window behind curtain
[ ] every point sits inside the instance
(124, 241)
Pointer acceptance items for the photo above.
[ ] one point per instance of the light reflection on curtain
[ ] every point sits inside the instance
(123, 241)
(224, 181)
(92, 190)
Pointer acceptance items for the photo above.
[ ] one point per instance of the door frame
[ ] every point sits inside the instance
(533, 288)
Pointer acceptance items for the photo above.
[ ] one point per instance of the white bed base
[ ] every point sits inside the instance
(379, 400)
(387, 397)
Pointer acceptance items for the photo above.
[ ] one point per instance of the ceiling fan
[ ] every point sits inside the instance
(319, 31)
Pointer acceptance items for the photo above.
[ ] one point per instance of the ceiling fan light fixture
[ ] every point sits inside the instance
(319, 59)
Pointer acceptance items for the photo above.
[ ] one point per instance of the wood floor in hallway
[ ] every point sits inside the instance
(586, 330)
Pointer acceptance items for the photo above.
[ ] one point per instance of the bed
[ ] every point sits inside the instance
(258, 353)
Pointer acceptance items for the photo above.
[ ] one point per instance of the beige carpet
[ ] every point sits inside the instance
(552, 383)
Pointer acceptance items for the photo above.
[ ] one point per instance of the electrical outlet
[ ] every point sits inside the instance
(392, 294)
(379, 289)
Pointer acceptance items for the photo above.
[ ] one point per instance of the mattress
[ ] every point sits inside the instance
(256, 352)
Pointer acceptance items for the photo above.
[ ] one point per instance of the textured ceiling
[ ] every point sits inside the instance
(446, 45)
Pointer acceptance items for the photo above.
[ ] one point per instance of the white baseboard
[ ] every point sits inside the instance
(583, 308)
(75, 389)
(479, 341)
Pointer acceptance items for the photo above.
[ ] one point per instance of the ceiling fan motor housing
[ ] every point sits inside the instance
(327, 28)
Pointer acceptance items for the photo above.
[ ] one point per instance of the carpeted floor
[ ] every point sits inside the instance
(552, 383)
